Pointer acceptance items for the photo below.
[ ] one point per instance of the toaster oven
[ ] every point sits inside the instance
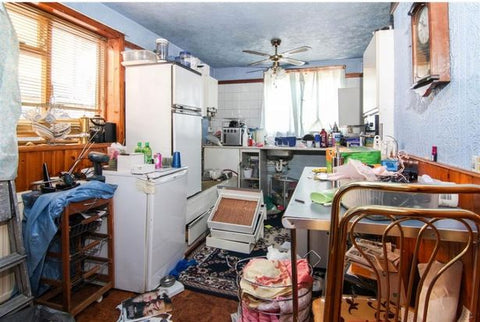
(232, 136)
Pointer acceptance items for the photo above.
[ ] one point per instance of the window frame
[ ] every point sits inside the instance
(114, 98)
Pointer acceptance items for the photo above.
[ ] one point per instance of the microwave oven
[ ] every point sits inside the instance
(232, 136)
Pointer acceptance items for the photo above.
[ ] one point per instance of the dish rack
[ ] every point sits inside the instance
(271, 308)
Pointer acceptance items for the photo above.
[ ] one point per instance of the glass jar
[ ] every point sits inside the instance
(162, 48)
(185, 58)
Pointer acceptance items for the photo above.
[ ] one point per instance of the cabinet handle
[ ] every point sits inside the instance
(90, 203)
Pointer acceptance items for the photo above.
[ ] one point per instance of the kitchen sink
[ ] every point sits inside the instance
(275, 155)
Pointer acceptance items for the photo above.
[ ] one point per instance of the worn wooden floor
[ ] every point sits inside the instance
(188, 306)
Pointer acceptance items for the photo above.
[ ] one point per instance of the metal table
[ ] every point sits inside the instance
(302, 213)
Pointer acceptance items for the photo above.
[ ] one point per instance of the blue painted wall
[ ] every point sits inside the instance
(353, 65)
(449, 118)
(134, 32)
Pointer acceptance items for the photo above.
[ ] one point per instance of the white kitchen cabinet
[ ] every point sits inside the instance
(378, 80)
(210, 93)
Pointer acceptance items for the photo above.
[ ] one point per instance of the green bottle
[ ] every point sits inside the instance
(147, 152)
(139, 148)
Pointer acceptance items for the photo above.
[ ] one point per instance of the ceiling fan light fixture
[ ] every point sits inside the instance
(277, 58)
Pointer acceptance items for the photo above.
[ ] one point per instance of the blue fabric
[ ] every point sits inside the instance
(39, 226)
(181, 266)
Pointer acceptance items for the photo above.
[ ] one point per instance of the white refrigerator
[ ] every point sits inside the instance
(163, 104)
(149, 226)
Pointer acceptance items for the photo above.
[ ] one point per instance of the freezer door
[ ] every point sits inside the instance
(165, 226)
(187, 87)
(130, 204)
(187, 139)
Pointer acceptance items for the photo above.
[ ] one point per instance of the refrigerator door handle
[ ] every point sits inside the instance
(186, 109)
(167, 178)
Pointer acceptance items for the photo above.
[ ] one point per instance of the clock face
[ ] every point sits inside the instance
(423, 31)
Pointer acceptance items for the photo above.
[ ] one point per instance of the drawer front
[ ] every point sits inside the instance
(196, 228)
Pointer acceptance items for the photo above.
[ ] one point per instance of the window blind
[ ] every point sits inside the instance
(60, 63)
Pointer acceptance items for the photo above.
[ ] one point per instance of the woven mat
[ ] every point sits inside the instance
(215, 270)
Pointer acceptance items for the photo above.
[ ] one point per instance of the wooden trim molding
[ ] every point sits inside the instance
(131, 45)
(240, 81)
(260, 80)
(314, 69)
(353, 75)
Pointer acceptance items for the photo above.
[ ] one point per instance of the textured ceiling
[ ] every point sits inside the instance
(217, 32)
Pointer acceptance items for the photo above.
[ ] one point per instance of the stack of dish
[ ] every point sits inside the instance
(54, 132)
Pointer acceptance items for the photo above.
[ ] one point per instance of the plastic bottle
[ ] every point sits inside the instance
(324, 138)
(139, 148)
(147, 152)
(434, 153)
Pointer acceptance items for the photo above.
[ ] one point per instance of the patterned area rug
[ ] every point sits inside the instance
(215, 272)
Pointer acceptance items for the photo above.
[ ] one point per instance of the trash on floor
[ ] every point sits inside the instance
(152, 306)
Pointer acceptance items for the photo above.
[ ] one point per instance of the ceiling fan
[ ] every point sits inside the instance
(278, 58)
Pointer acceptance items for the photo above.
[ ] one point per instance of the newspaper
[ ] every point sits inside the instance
(374, 252)
(151, 306)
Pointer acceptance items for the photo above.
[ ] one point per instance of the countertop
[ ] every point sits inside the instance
(267, 147)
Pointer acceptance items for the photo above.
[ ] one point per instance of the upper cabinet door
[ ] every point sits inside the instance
(210, 93)
(187, 87)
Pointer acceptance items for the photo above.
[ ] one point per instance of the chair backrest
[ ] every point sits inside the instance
(418, 256)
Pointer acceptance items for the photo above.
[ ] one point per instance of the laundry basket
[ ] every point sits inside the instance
(262, 300)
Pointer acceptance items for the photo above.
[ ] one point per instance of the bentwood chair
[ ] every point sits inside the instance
(424, 261)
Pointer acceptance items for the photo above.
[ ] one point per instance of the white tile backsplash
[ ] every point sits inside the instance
(242, 100)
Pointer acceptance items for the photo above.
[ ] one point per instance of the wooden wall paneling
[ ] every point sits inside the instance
(33, 162)
(58, 159)
(448, 173)
(115, 100)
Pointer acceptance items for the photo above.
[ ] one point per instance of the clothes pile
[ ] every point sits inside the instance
(266, 290)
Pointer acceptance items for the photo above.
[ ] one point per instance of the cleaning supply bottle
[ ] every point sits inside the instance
(139, 148)
(147, 152)
(323, 138)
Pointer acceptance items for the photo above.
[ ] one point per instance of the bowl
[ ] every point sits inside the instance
(167, 281)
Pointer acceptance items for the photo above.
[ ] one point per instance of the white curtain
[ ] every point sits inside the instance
(302, 102)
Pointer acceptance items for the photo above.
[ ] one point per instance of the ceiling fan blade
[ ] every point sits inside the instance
(292, 61)
(256, 53)
(263, 61)
(257, 70)
(296, 50)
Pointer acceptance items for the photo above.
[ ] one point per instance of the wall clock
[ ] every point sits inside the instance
(430, 44)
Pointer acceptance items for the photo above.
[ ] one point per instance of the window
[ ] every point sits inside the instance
(301, 101)
(71, 61)
(60, 64)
